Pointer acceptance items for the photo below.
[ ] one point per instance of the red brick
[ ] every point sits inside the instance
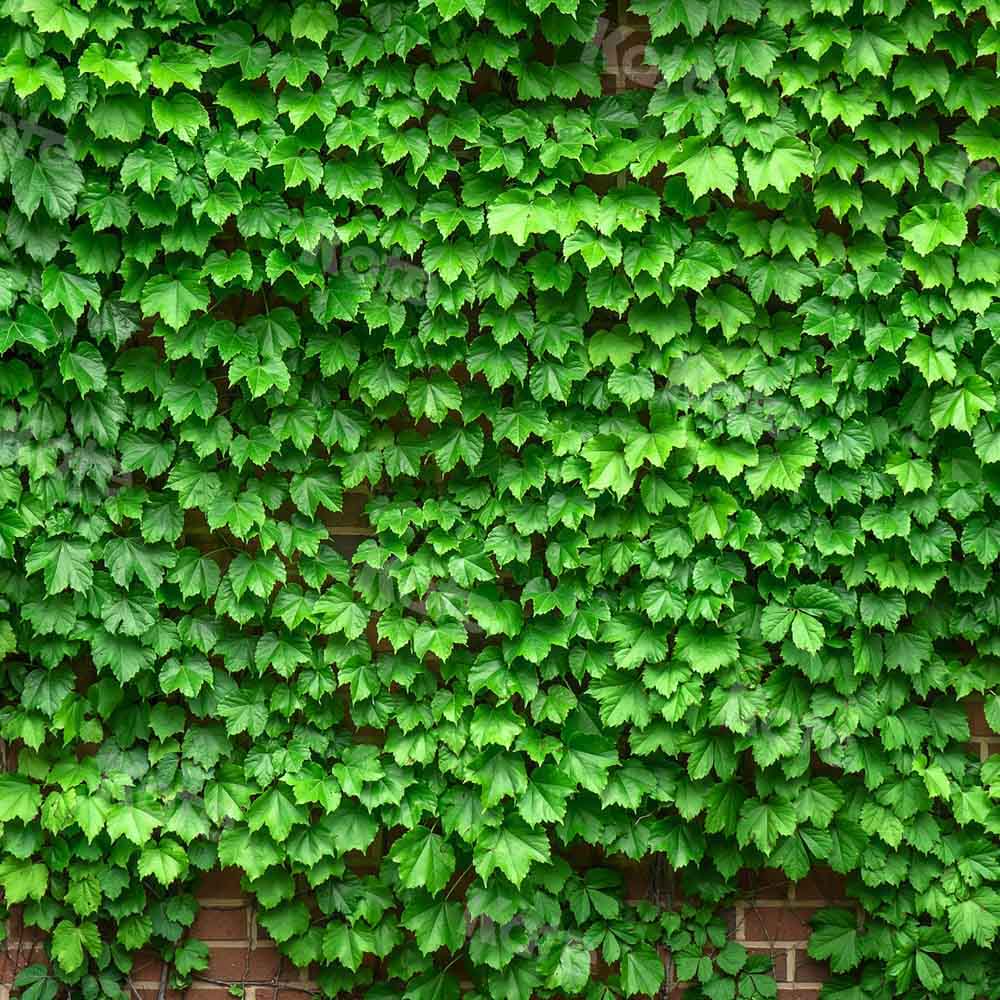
(13, 961)
(269, 993)
(217, 923)
(780, 960)
(808, 970)
(199, 991)
(146, 967)
(17, 932)
(224, 883)
(777, 923)
(768, 883)
(977, 719)
(798, 994)
(638, 880)
(822, 883)
(992, 748)
(624, 51)
(243, 963)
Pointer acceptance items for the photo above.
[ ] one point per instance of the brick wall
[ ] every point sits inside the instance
(772, 918)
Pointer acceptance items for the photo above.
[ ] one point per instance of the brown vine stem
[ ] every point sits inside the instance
(162, 991)
(293, 987)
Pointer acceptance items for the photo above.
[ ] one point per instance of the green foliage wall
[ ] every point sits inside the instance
(673, 414)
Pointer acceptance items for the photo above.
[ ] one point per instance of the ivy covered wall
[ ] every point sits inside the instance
(458, 455)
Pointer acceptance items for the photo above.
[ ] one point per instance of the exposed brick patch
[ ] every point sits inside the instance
(808, 970)
(768, 883)
(779, 958)
(772, 924)
(199, 991)
(237, 963)
(820, 884)
(222, 923)
(977, 719)
(269, 993)
(14, 959)
(222, 884)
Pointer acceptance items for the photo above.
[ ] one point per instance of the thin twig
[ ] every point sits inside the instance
(296, 987)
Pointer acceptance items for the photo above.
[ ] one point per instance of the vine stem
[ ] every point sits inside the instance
(162, 991)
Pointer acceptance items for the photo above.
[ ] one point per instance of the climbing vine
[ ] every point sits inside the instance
(456, 454)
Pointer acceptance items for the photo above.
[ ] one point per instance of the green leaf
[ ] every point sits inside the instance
(764, 823)
(787, 160)
(53, 180)
(436, 923)
(835, 938)
(962, 406)
(926, 227)
(782, 467)
(642, 971)
(165, 861)
(512, 848)
(183, 115)
(425, 859)
(608, 466)
(19, 798)
(705, 168)
(23, 880)
(65, 564)
(174, 298)
(276, 811)
(71, 291)
(70, 943)
(976, 918)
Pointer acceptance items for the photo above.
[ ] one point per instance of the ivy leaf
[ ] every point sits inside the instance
(976, 918)
(187, 674)
(166, 861)
(642, 971)
(608, 465)
(65, 564)
(22, 880)
(183, 115)
(764, 823)
(19, 798)
(174, 298)
(926, 227)
(133, 821)
(962, 406)
(933, 364)
(705, 167)
(70, 943)
(782, 467)
(71, 291)
(435, 923)
(787, 160)
(546, 796)
(512, 848)
(835, 937)
(425, 859)
(53, 180)
(275, 810)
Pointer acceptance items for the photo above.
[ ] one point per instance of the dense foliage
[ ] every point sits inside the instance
(670, 398)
